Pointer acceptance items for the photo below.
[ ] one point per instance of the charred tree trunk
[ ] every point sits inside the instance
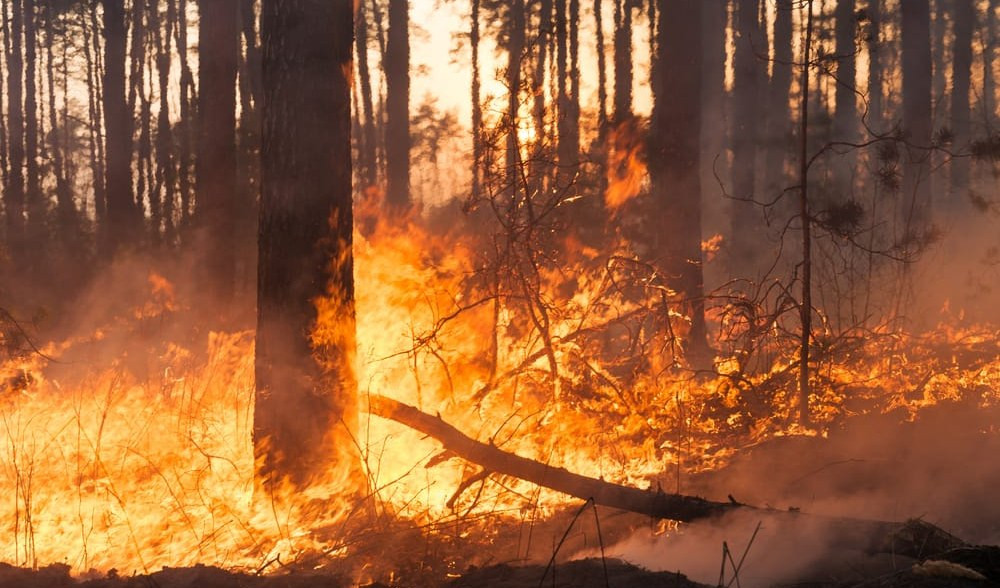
(162, 217)
(35, 203)
(477, 107)
(215, 172)
(674, 164)
(964, 22)
(602, 75)
(14, 192)
(545, 27)
(118, 133)
(91, 51)
(186, 119)
(66, 209)
(845, 116)
(875, 90)
(397, 130)
(713, 22)
(5, 52)
(623, 60)
(779, 136)
(366, 159)
(563, 153)
(515, 47)
(746, 223)
(306, 398)
(916, 31)
(573, 113)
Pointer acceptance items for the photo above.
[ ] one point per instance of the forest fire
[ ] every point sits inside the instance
(707, 294)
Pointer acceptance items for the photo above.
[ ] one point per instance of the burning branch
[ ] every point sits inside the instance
(913, 538)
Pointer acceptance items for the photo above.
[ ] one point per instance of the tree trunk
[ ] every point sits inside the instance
(215, 172)
(713, 23)
(515, 46)
(366, 159)
(573, 113)
(779, 136)
(915, 32)
(746, 222)
(306, 400)
(14, 192)
(91, 51)
(674, 164)
(35, 239)
(397, 131)
(477, 107)
(162, 217)
(542, 43)
(875, 89)
(66, 209)
(186, 119)
(623, 60)
(118, 133)
(845, 116)
(602, 88)
(964, 22)
(5, 52)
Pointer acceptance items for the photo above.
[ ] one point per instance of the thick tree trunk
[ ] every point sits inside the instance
(162, 216)
(215, 172)
(713, 23)
(573, 112)
(306, 400)
(913, 539)
(964, 23)
(916, 31)
(746, 222)
(623, 60)
(14, 192)
(397, 131)
(118, 133)
(674, 164)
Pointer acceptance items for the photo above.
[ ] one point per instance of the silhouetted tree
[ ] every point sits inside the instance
(397, 130)
(306, 388)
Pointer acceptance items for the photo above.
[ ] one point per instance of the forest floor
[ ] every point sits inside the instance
(941, 467)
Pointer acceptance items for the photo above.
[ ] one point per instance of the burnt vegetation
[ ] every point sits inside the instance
(626, 284)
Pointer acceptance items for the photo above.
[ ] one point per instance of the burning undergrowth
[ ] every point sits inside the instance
(129, 444)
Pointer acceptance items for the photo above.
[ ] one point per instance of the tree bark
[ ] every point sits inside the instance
(118, 133)
(874, 43)
(602, 88)
(35, 237)
(623, 60)
(397, 131)
(915, 32)
(215, 171)
(964, 23)
(915, 539)
(366, 159)
(66, 208)
(779, 136)
(306, 400)
(14, 192)
(674, 165)
(746, 222)
(477, 108)
(845, 116)
(515, 47)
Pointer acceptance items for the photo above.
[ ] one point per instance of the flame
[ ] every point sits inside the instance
(135, 460)
(626, 165)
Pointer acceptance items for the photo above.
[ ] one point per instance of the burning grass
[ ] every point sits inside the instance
(130, 448)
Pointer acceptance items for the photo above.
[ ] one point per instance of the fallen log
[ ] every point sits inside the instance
(914, 538)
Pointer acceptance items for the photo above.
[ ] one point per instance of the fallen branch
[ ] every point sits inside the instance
(913, 538)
